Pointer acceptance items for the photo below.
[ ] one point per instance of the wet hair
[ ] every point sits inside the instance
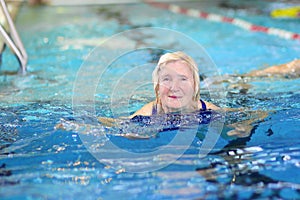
(173, 57)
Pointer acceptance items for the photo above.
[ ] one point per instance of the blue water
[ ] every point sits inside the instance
(38, 161)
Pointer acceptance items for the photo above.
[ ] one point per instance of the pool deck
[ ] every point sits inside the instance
(97, 2)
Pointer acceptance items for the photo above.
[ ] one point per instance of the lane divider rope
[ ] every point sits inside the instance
(219, 18)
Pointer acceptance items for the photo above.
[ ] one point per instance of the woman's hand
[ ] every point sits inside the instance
(240, 130)
(110, 122)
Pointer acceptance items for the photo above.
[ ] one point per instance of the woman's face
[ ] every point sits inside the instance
(176, 87)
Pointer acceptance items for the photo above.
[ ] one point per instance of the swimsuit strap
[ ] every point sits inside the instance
(203, 105)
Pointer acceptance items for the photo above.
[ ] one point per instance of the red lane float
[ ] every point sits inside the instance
(219, 18)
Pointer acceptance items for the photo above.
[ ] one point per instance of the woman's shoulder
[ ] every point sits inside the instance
(211, 105)
(146, 110)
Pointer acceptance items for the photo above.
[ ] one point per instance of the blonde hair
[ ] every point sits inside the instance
(172, 57)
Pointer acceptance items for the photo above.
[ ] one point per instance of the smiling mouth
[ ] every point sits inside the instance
(174, 97)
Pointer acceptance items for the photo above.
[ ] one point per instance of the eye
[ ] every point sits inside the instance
(165, 79)
(184, 79)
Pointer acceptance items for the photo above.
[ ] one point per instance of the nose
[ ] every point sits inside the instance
(175, 85)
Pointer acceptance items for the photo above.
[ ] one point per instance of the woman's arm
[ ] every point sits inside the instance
(146, 110)
(244, 128)
(241, 128)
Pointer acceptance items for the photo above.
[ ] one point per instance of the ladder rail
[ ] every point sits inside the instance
(13, 39)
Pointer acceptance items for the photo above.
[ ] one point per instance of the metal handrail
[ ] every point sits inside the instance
(13, 40)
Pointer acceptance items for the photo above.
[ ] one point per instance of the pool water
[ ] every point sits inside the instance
(38, 161)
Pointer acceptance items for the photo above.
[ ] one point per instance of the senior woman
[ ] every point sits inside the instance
(176, 85)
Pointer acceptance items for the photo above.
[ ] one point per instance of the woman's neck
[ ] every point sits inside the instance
(187, 109)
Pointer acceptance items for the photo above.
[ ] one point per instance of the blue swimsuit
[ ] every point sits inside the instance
(154, 108)
(171, 121)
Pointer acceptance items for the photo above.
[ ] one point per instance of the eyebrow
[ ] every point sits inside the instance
(180, 76)
(183, 76)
